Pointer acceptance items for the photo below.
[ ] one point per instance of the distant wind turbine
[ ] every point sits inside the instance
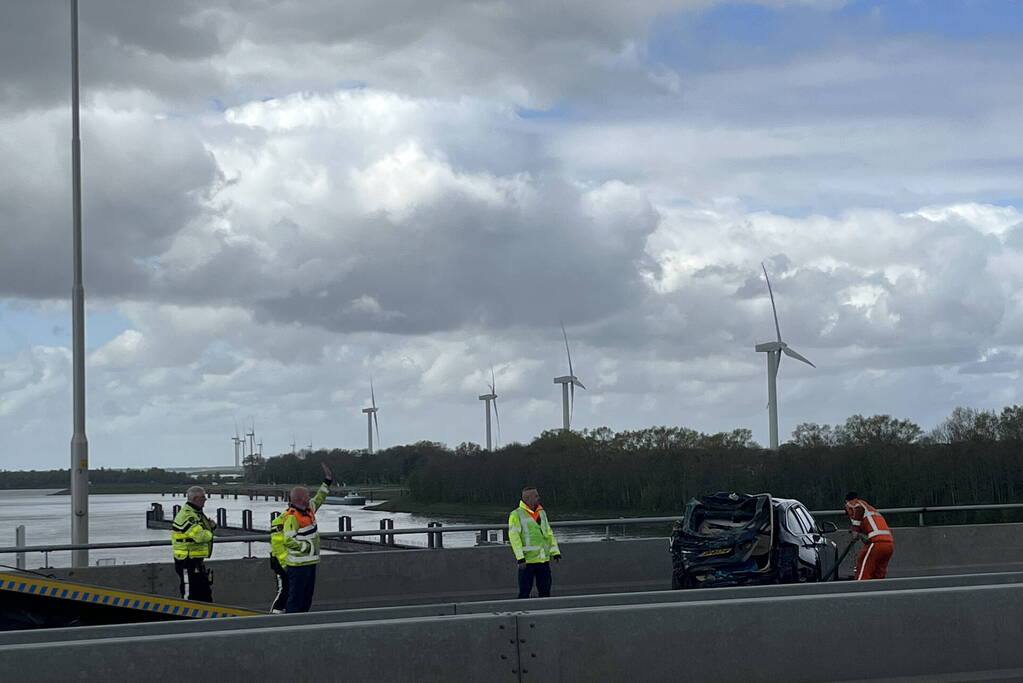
(492, 398)
(238, 448)
(774, 350)
(252, 438)
(371, 419)
(568, 384)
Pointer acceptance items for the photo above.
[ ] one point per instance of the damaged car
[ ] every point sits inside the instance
(737, 539)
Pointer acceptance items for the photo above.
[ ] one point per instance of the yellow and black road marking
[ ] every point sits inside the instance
(29, 584)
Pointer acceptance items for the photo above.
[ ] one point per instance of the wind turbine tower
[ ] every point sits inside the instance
(568, 384)
(252, 439)
(239, 447)
(371, 419)
(774, 350)
(491, 398)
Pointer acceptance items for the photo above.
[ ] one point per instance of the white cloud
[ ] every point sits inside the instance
(283, 205)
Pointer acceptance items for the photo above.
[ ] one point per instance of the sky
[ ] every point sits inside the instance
(283, 201)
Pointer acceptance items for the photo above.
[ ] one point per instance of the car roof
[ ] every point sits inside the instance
(786, 502)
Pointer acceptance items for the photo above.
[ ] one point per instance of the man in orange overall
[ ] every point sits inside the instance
(878, 544)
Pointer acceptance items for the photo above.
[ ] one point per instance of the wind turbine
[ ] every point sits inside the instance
(371, 419)
(238, 448)
(492, 398)
(252, 438)
(568, 384)
(774, 350)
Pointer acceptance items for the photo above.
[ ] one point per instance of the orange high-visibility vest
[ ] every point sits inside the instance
(868, 521)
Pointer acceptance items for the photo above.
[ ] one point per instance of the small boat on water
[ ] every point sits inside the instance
(352, 498)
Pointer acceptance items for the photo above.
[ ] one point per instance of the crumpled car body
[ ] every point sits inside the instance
(737, 539)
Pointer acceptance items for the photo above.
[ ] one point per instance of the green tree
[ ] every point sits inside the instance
(813, 435)
(876, 430)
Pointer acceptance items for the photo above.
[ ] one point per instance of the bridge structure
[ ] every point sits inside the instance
(951, 612)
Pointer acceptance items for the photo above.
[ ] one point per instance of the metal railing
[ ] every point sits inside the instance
(435, 532)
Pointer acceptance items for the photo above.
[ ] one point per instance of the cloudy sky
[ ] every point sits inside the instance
(285, 199)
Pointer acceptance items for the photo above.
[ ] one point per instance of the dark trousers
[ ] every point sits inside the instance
(301, 584)
(194, 580)
(541, 573)
(281, 599)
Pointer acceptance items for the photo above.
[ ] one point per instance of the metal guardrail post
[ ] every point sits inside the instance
(247, 519)
(19, 539)
(435, 539)
(383, 537)
(921, 518)
(221, 517)
(176, 509)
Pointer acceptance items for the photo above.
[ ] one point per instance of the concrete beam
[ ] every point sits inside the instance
(948, 633)
(145, 630)
(872, 635)
(472, 648)
(365, 580)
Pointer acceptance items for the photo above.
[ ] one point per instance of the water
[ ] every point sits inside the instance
(117, 518)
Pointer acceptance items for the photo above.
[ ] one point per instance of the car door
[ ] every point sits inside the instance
(821, 558)
(809, 541)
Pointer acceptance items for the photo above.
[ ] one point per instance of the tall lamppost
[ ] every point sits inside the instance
(79, 442)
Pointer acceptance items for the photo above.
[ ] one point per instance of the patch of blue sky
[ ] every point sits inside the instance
(946, 18)
(562, 110)
(24, 324)
(742, 33)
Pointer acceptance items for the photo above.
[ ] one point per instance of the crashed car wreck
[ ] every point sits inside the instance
(733, 539)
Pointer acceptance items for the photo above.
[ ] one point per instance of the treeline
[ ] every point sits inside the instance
(57, 479)
(893, 462)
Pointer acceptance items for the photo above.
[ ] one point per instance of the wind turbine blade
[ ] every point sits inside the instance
(793, 354)
(571, 403)
(372, 395)
(567, 350)
(773, 309)
(493, 381)
(577, 383)
(377, 425)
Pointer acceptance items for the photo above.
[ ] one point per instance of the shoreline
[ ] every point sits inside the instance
(500, 512)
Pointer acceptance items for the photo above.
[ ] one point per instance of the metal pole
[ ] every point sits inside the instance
(79, 442)
(489, 448)
(564, 406)
(369, 432)
(19, 540)
(772, 395)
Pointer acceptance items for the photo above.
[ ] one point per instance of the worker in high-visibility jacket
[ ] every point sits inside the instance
(302, 542)
(532, 540)
(869, 525)
(278, 554)
(192, 543)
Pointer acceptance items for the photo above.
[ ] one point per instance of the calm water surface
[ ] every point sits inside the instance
(118, 518)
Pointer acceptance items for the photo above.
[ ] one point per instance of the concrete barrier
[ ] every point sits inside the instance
(470, 648)
(144, 630)
(949, 633)
(361, 580)
(873, 635)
